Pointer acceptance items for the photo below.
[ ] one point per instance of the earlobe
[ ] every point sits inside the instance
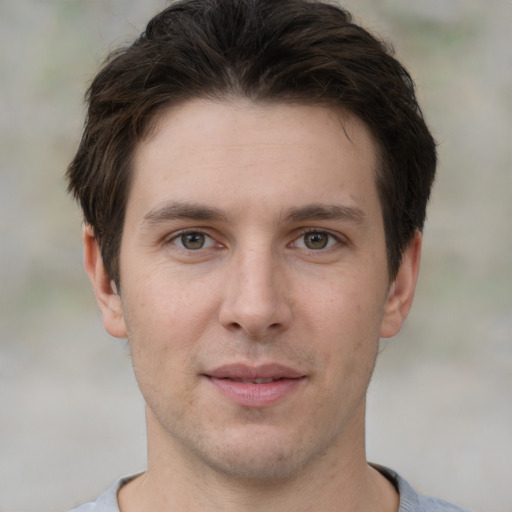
(401, 291)
(104, 287)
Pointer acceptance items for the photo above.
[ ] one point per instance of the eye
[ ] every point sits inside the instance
(193, 240)
(316, 240)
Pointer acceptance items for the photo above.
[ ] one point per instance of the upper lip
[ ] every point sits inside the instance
(247, 372)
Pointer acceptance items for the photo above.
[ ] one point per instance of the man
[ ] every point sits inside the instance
(254, 177)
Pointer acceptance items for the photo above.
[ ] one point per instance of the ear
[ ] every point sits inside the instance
(401, 291)
(104, 287)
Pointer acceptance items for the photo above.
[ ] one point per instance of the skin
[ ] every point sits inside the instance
(284, 261)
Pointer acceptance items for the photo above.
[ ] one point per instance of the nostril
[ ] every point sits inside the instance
(254, 317)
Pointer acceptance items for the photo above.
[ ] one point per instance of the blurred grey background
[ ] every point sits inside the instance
(440, 405)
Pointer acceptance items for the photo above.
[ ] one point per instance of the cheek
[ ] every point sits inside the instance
(351, 307)
(164, 324)
(347, 329)
(163, 299)
(161, 341)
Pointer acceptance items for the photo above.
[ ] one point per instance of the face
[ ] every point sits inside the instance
(254, 285)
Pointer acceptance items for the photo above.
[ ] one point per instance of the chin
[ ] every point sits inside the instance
(261, 457)
(258, 468)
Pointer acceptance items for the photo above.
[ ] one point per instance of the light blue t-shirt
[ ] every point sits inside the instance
(410, 500)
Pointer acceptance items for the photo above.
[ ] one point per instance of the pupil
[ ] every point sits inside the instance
(192, 240)
(316, 240)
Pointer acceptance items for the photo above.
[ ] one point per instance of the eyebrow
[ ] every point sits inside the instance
(175, 210)
(326, 212)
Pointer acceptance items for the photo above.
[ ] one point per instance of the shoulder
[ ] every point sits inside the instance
(412, 501)
(107, 501)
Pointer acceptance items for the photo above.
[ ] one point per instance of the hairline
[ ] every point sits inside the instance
(232, 95)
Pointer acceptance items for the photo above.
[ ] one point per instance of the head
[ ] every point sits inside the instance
(293, 51)
(254, 176)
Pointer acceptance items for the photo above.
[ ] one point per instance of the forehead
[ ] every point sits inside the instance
(277, 154)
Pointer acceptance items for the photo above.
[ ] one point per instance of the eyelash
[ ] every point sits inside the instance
(315, 231)
(185, 232)
(331, 241)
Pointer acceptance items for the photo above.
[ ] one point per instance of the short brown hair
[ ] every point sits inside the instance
(266, 50)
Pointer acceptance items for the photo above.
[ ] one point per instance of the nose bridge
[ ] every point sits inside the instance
(253, 299)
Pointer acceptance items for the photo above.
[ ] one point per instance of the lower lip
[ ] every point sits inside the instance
(247, 394)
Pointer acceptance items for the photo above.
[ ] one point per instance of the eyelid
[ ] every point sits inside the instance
(172, 237)
(339, 239)
(175, 235)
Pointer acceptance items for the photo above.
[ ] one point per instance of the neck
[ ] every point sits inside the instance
(339, 480)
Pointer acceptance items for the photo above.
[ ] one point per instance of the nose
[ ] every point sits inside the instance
(256, 300)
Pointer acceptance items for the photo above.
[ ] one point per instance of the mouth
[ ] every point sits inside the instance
(255, 381)
(255, 386)
(265, 372)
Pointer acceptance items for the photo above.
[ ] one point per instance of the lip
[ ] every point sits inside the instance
(255, 386)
